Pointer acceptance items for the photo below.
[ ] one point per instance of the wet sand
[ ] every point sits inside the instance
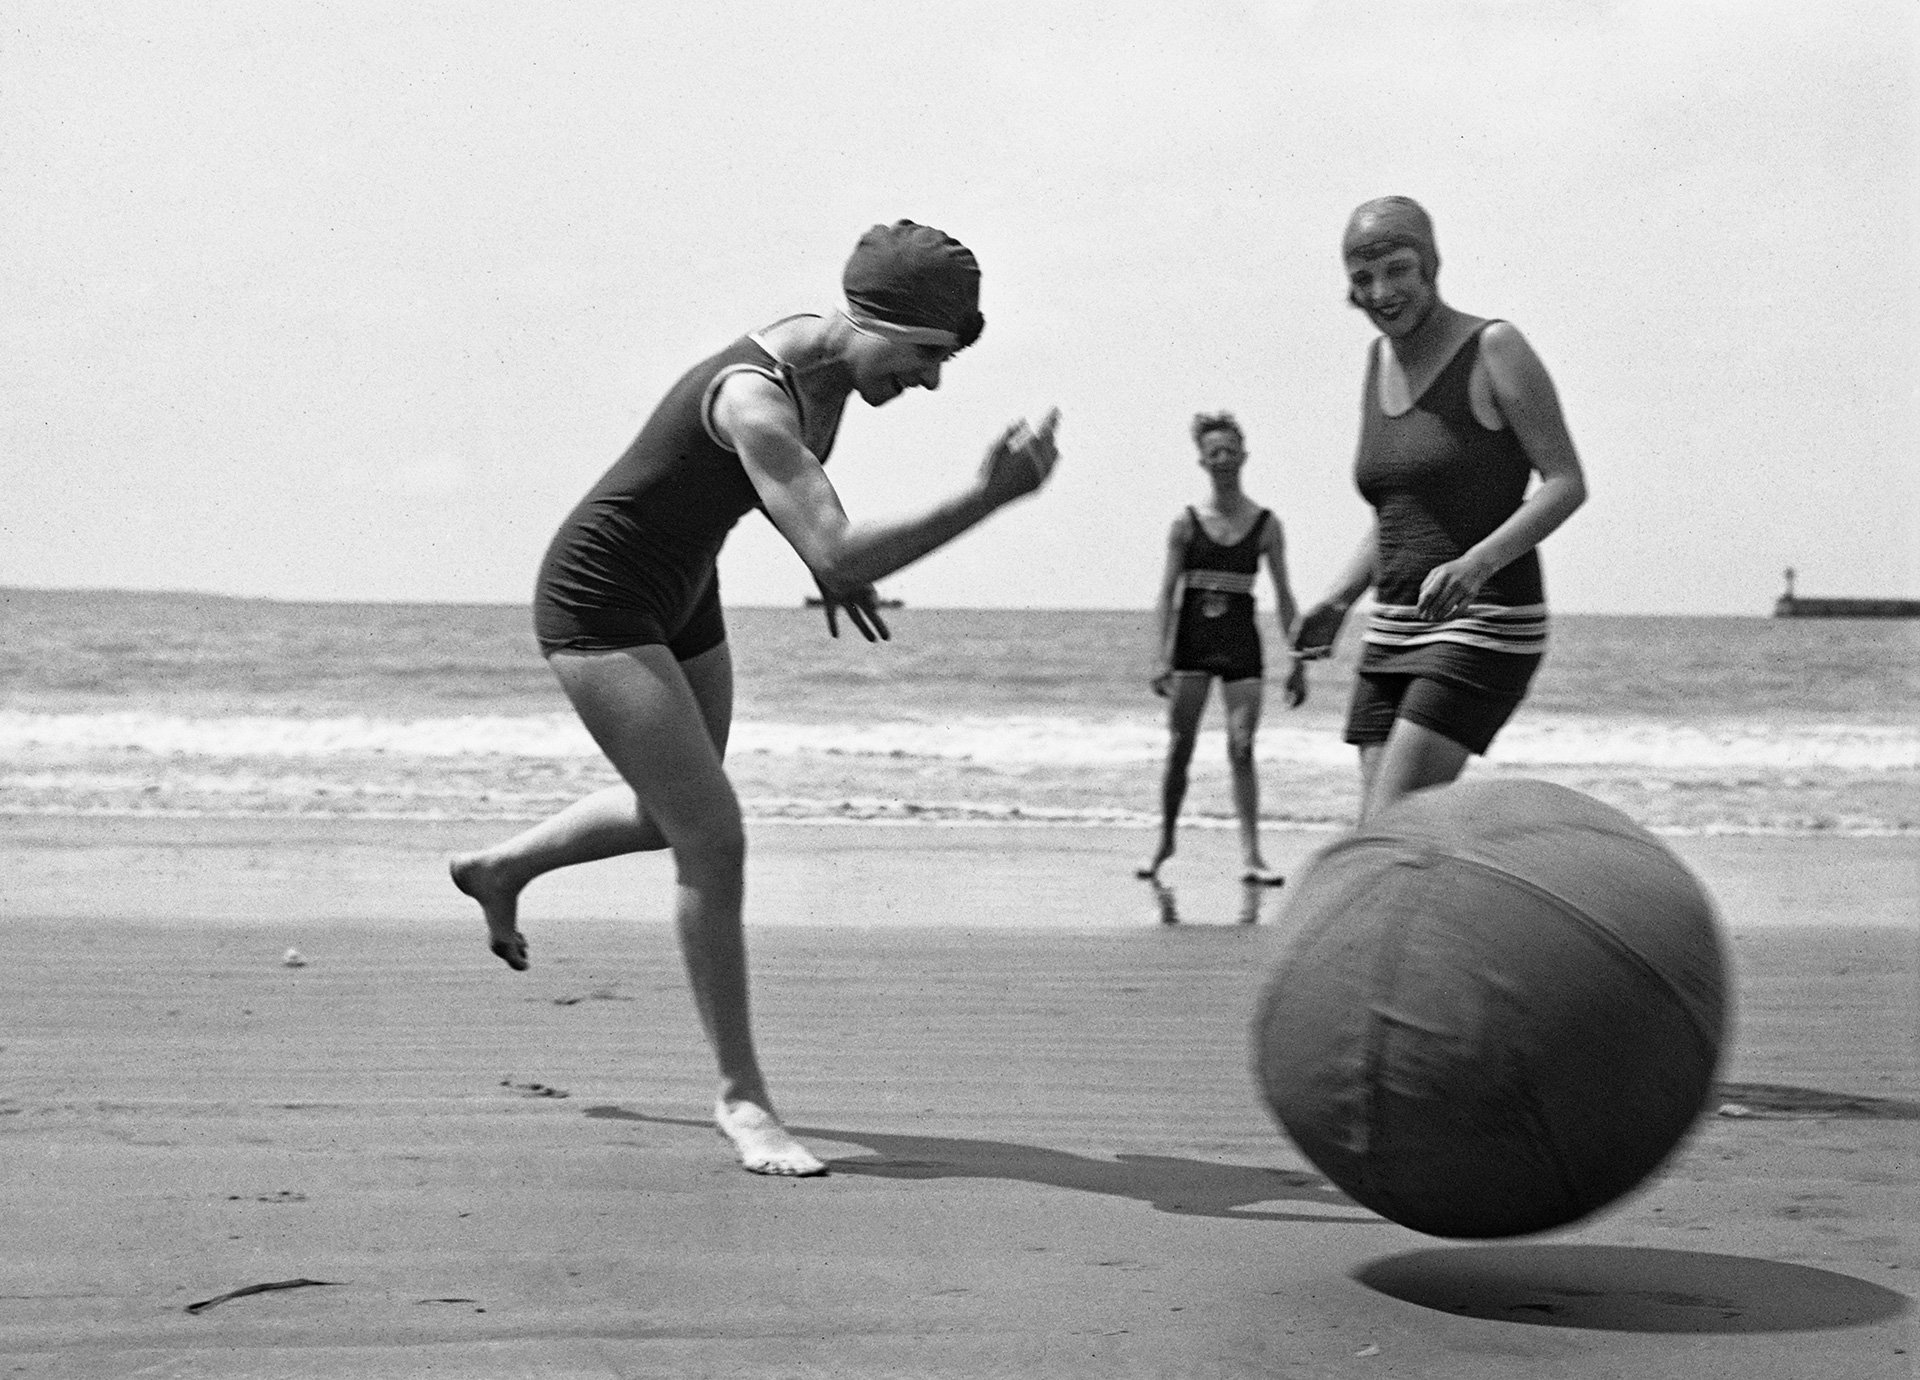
(1048, 1155)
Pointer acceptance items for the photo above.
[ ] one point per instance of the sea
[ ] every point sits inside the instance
(194, 705)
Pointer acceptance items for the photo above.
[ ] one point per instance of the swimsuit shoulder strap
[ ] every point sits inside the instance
(774, 369)
(712, 395)
(792, 386)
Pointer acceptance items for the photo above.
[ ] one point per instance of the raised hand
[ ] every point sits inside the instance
(1039, 448)
(1021, 459)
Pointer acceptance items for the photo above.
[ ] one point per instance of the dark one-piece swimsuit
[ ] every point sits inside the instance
(633, 564)
(1216, 632)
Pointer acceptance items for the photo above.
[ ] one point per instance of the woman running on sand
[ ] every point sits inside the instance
(1207, 630)
(1457, 415)
(627, 608)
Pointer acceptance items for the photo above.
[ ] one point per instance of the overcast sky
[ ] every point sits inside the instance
(354, 300)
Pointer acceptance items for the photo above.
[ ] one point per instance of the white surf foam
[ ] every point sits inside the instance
(1534, 740)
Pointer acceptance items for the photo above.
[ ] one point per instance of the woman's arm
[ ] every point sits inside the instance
(1275, 550)
(760, 421)
(1524, 394)
(1167, 605)
(1320, 625)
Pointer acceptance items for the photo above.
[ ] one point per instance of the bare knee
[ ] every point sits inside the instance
(710, 843)
(724, 842)
(1413, 758)
(718, 848)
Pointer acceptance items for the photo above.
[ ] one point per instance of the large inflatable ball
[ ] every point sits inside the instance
(1502, 1009)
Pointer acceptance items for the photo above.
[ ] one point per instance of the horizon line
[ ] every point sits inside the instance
(798, 605)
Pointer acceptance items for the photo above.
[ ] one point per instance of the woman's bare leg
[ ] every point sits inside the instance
(1413, 758)
(1186, 698)
(1369, 768)
(607, 824)
(641, 709)
(1242, 699)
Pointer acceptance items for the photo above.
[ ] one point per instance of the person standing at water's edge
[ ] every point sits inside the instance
(628, 614)
(1207, 630)
(1457, 415)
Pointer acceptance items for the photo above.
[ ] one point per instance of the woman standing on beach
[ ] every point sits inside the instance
(627, 608)
(1457, 415)
(1207, 630)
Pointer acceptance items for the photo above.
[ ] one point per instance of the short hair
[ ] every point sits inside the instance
(1203, 422)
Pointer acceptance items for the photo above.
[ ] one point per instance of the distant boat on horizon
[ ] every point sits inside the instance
(1791, 605)
(814, 601)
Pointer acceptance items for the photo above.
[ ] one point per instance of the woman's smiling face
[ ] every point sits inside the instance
(884, 369)
(1392, 289)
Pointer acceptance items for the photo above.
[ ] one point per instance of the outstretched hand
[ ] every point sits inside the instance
(1021, 460)
(863, 611)
(1318, 628)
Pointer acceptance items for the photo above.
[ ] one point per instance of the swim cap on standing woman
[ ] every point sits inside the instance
(1378, 227)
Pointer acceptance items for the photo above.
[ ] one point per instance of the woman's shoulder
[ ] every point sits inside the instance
(1506, 356)
(753, 386)
(1500, 338)
(744, 395)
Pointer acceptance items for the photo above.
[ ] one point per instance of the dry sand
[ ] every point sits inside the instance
(1048, 1156)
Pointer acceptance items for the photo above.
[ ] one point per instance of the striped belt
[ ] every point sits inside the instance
(1221, 581)
(1491, 627)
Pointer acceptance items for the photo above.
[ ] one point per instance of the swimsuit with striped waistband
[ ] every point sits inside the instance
(1223, 581)
(1491, 627)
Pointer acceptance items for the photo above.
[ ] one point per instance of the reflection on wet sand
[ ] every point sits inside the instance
(1254, 899)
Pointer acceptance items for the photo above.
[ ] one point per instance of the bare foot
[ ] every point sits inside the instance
(1259, 874)
(499, 903)
(763, 1143)
(1150, 870)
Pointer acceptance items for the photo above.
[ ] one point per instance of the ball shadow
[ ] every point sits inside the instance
(1630, 1289)
(1166, 1183)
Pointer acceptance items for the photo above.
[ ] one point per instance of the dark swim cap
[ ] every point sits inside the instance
(913, 275)
(1388, 223)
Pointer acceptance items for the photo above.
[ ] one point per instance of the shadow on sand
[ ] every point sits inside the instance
(1630, 1289)
(1167, 1183)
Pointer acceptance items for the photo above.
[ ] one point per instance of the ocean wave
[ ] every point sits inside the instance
(260, 735)
(1537, 741)
(942, 814)
(1542, 741)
